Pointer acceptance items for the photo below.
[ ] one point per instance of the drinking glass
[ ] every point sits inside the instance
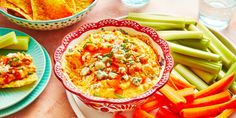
(216, 13)
(135, 3)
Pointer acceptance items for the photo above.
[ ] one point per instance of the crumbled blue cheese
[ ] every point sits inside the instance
(108, 37)
(106, 45)
(136, 81)
(125, 77)
(119, 56)
(101, 74)
(121, 69)
(4, 68)
(99, 57)
(95, 86)
(112, 75)
(104, 59)
(12, 54)
(99, 65)
(84, 71)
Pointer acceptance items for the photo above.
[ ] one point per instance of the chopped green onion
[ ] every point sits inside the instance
(119, 96)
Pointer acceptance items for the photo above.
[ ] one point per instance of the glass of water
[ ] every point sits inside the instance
(135, 3)
(216, 13)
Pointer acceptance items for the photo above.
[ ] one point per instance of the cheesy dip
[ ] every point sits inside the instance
(112, 64)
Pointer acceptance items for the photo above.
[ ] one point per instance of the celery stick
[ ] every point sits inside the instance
(205, 76)
(192, 27)
(176, 35)
(8, 39)
(177, 75)
(193, 52)
(198, 44)
(22, 43)
(208, 66)
(232, 87)
(191, 77)
(162, 26)
(220, 75)
(218, 47)
(155, 18)
(160, 18)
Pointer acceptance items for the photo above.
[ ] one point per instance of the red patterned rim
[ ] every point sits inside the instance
(115, 23)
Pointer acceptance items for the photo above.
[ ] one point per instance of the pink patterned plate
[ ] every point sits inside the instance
(131, 27)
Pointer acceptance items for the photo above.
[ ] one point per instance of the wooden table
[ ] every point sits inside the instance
(53, 101)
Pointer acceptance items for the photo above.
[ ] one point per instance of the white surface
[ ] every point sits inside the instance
(83, 111)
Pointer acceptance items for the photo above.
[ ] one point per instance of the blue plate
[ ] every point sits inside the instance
(11, 96)
(34, 94)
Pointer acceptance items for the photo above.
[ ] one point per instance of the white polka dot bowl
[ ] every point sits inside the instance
(128, 27)
(48, 24)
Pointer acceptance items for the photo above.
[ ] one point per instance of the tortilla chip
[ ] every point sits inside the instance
(8, 5)
(82, 4)
(50, 9)
(24, 5)
(71, 4)
(19, 83)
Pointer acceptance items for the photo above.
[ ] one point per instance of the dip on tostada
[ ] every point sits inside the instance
(16, 70)
(113, 64)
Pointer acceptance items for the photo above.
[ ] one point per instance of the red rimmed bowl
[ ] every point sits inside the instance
(130, 27)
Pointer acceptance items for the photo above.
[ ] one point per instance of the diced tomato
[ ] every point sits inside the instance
(114, 83)
(119, 91)
(17, 75)
(137, 69)
(6, 80)
(143, 60)
(118, 115)
(91, 47)
(104, 50)
(5, 60)
(135, 49)
(26, 61)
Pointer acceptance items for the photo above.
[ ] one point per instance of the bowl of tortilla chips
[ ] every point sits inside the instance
(45, 14)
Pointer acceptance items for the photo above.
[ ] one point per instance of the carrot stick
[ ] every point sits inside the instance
(187, 93)
(157, 96)
(206, 111)
(139, 113)
(210, 100)
(118, 115)
(216, 87)
(226, 113)
(164, 112)
(172, 95)
(181, 84)
(151, 105)
(172, 84)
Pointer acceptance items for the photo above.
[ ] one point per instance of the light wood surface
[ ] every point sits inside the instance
(52, 103)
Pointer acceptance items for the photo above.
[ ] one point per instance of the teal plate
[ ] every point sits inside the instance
(34, 94)
(11, 96)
